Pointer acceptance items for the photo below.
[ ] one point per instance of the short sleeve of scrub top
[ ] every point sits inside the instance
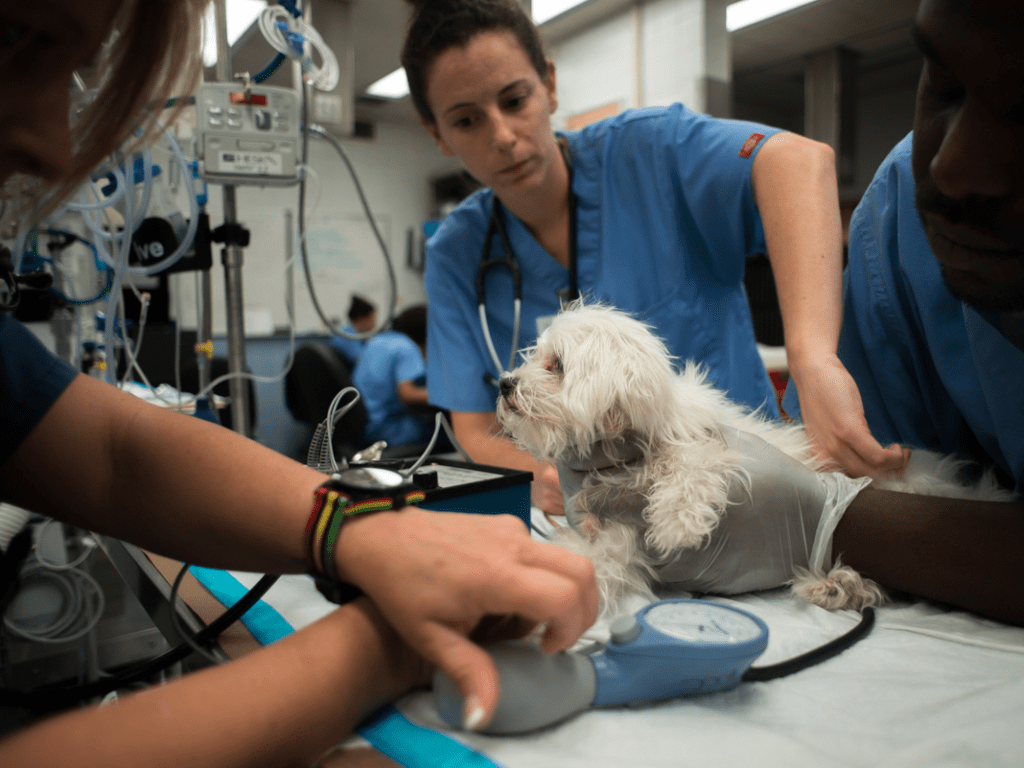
(31, 380)
(932, 372)
(665, 222)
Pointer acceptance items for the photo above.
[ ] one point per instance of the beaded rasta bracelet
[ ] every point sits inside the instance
(333, 503)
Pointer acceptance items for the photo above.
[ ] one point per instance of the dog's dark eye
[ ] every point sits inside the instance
(554, 364)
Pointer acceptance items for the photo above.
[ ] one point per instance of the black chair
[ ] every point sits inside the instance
(317, 375)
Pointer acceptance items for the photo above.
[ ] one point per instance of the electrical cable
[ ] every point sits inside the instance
(55, 697)
(954, 638)
(815, 656)
(176, 619)
(82, 602)
(59, 566)
(320, 133)
(321, 448)
(439, 420)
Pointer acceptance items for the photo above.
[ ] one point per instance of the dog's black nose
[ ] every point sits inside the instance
(507, 384)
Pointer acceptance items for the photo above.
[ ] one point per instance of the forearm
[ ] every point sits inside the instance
(968, 554)
(797, 194)
(165, 481)
(284, 705)
(412, 395)
(481, 436)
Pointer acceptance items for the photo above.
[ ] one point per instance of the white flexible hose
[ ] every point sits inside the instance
(12, 520)
(326, 76)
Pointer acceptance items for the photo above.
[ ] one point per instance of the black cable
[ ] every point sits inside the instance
(54, 697)
(176, 619)
(308, 130)
(816, 656)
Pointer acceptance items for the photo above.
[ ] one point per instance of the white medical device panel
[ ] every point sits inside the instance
(247, 135)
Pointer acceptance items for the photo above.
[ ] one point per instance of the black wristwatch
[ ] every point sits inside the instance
(360, 489)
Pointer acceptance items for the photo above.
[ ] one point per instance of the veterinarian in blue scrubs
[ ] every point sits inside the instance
(664, 206)
(932, 326)
(946, 376)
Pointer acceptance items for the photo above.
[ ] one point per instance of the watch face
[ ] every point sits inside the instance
(371, 478)
(702, 622)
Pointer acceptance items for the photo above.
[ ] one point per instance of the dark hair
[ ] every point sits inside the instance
(437, 25)
(153, 52)
(413, 323)
(359, 307)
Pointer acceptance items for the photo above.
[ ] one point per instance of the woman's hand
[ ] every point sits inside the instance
(833, 415)
(441, 577)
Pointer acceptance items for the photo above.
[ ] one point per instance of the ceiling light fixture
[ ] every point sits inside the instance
(747, 12)
(393, 86)
(241, 14)
(547, 9)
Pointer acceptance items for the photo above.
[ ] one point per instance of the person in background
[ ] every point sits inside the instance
(391, 378)
(661, 205)
(362, 318)
(185, 488)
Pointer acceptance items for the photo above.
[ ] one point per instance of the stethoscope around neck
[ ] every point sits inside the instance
(495, 224)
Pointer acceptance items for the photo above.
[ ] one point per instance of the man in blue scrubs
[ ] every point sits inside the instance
(934, 299)
(933, 329)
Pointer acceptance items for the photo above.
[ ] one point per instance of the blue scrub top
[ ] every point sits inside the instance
(665, 222)
(933, 372)
(389, 359)
(31, 380)
(350, 349)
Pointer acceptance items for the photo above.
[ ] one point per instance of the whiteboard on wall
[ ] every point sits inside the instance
(344, 258)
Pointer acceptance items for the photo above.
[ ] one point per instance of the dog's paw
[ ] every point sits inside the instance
(840, 588)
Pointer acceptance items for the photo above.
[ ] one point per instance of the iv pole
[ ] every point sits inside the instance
(232, 258)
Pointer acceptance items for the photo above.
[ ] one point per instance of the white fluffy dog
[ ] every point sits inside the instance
(600, 377)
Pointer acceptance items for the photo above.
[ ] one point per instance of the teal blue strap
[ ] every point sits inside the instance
(388, 730)
(266, 624)
(414, 746)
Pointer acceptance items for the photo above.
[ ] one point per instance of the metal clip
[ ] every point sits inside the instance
(370, 454)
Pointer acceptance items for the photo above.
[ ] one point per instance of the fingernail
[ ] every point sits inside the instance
(474, 714)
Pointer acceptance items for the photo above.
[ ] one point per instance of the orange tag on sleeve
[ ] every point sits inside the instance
(749, 144)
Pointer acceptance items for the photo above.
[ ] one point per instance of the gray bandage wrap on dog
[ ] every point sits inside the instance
(574, 466)
(840, 491)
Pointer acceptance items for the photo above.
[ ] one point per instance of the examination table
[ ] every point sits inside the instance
(929, 686)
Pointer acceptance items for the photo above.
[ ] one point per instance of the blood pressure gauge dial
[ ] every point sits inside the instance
(677, 648)
(670, 648)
